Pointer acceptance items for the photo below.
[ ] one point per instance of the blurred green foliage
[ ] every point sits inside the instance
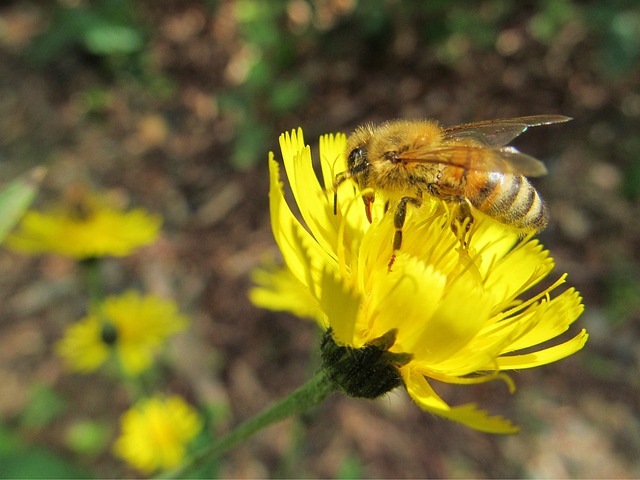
(351, 467)
(43, 407)
(106, 29)
(631, 183)
(88, 438)
(616, 25)
(16, 197)
(272, 86)
(269, 90)
(625, 151)
(452, 30)
(20, 460)
(623, 296)
(551, 17)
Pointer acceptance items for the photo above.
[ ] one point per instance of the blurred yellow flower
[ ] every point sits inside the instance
(444, 313)
(86, 227)
(156, 432)
(131, 327)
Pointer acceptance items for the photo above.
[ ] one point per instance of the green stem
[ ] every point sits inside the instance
(93, 277)
(312, 393)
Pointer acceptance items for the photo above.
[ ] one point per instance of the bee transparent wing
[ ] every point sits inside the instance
(498, 132)
(471, 157)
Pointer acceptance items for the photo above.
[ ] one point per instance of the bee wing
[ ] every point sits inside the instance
(472, 157)
(499, 132)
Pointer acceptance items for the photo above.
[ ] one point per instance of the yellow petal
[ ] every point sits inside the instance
(102, 231)
(302, 254)
(422, 393)
(460, 315)
(307, 192)
(341, 307)
(81, 347)
(543, 357)
(155, 433)
(332, 162)
(279, 290)
(407, 299)
(134, 359)
(512, 274)
(552, 319)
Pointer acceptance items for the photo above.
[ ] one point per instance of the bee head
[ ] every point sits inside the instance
(357, 153)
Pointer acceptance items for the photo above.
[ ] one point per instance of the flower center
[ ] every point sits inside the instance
(367, 372)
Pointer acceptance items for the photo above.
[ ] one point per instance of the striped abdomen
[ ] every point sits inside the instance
(510, 199)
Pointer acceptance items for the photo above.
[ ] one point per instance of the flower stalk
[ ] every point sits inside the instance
(312, 393)
(93, 279)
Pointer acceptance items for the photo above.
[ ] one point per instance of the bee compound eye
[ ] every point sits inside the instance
(356, 157)
(351, 159)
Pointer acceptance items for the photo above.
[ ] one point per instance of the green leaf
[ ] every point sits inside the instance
(288, 95)
(19, 460)
(16, 197)
(87, 437)
(249, 145)
(38, 463)
(109, 39)
(43, 407)
(350, 467)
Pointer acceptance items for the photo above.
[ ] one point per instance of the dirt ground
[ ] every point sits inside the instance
(167, 138)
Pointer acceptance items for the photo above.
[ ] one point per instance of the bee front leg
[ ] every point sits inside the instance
(368, 203)
(398, 222)
(339, 179)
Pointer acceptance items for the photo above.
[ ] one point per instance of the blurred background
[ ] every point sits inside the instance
(175, 104)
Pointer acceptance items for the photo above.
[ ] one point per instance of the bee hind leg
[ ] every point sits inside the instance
(462, 220)
(398, 222)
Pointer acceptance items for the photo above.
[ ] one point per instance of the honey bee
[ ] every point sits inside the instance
(468, 166)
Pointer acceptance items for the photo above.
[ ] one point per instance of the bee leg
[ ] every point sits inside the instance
(462, 220)
(398, 223)
(368, 202)
(339, 179)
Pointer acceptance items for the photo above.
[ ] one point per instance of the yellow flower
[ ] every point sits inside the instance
(444, 313)
(156, 432)
(130, 327)
(88, 226)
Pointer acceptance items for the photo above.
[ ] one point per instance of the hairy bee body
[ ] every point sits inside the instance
(469, 165)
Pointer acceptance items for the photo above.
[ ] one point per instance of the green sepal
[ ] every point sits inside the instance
(367, 372)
